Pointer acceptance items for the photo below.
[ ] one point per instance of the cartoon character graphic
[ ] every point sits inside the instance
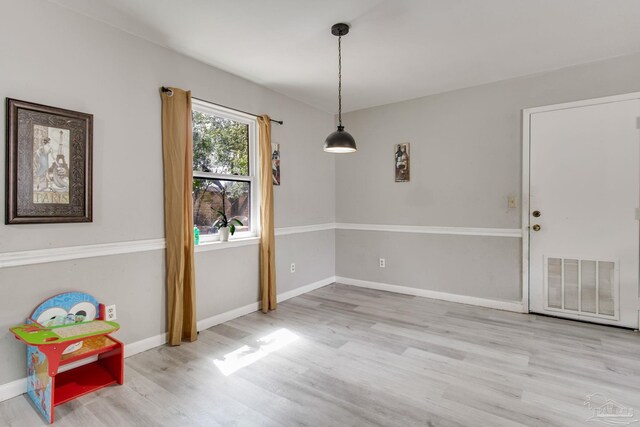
(39, 383)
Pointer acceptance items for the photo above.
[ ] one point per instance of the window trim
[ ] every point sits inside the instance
(253, 178)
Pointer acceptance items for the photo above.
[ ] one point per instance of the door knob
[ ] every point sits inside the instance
(536, 227)
(536, 214)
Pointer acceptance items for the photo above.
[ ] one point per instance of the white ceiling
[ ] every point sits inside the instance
(397, 49)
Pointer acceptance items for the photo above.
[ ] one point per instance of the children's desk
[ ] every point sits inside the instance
(46, 353)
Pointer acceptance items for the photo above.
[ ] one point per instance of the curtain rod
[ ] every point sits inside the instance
(166, 89)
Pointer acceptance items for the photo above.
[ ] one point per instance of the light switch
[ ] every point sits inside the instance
(511, 202)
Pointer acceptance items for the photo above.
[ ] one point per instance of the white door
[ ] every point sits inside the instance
(584, 191)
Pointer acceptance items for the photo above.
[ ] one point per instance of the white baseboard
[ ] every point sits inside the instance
(250, 308)
(144, 345)
(307, 288)
(18, 387)
(226, 316)
(444, 296)
(13, 389)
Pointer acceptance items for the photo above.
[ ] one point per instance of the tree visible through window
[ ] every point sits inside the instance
(222, 168)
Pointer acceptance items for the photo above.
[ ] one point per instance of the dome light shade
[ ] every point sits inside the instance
(340, 141)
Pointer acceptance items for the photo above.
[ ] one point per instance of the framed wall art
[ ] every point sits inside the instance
(49, 164)
(275, 163)
(402, 162)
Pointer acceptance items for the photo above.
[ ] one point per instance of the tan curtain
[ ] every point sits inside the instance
(177, 150)
(267, 239)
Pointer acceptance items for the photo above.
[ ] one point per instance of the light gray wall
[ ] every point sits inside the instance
(52, 56)
(309, 252)
(220, 290)
(476, 266)
(133, 281)
(466, 151)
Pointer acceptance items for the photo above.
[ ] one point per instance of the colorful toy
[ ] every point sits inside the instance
(68, 328)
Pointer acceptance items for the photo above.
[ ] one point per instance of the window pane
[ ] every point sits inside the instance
(220, 145)
(209, 195)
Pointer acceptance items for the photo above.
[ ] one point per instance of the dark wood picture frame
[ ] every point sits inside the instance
(44, 185)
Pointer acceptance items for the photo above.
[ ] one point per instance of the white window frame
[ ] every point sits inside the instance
(252, 178)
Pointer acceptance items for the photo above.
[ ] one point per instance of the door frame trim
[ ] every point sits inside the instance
(526, 159)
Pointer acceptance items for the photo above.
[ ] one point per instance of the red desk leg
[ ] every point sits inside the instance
(54, 353)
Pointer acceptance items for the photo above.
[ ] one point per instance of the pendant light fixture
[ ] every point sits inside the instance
(340, 141)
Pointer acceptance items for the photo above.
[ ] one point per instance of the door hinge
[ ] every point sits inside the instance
(637, 122)
(638, 214)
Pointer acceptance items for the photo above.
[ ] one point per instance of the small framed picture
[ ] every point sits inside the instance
(49, 164)
(275, 163)
(402, 162)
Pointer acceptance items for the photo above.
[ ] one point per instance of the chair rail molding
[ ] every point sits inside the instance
(427, 229)
(41, 256)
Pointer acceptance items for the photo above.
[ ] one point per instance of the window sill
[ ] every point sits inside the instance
(232, 243)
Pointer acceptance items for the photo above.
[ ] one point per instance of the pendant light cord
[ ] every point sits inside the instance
(340, 81)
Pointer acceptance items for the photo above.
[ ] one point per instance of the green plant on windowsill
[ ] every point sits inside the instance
(225, 225)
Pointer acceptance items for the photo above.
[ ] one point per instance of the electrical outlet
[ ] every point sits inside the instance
(293, 267)
(110, 312)
(382, 263)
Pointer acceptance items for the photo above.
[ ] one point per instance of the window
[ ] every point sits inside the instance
(224, 169)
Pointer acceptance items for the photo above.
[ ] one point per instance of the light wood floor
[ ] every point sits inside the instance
(365, 357)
